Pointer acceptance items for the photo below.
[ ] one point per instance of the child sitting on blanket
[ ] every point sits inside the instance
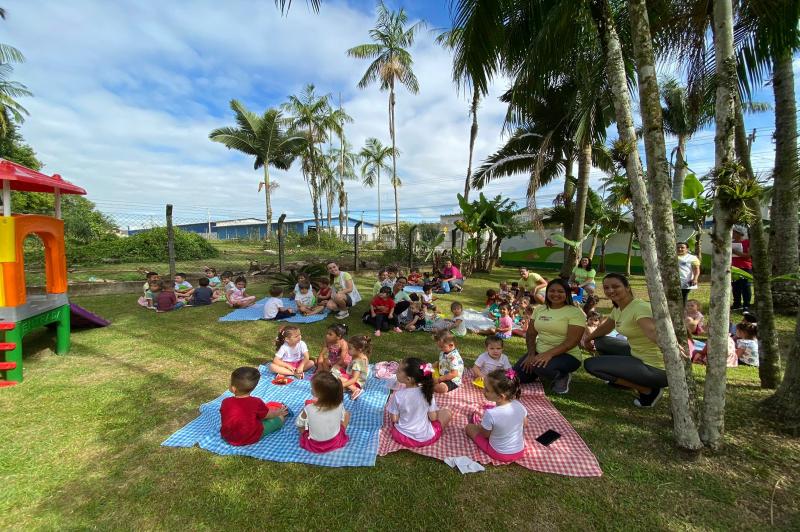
(246, 419)
(694, 319)
(292, 357)
(306, 301)
(747, 343)
(417, 422)
(335, 354)
(491, 359)
(238, 298)
(505, 324)
(325, 291)
(323, 421)
(414, 277)
(524, 322)
(457, 326)
(274, 309)
(355, 377)
(500, 432)
(450, 365)
(428, 298)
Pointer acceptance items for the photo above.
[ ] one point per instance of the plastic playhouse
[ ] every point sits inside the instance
(20, 312)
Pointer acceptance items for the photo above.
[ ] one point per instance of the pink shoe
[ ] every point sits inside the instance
(377, 332)
(397, 330)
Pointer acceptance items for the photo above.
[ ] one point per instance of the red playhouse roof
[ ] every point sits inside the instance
(24, 179)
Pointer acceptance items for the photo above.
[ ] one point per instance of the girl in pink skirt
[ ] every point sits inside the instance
(323, 422)
(500, 432)
(417, 421)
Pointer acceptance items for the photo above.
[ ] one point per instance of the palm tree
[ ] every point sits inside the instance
(391, 64)
(374, 157)
(262, 137)
(345, 162)
(682, 118)
(311, 117)
(286, 5)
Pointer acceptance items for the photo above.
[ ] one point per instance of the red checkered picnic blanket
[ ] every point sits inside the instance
(567, 456)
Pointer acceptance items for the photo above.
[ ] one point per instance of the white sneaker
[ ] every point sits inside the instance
(342, 314)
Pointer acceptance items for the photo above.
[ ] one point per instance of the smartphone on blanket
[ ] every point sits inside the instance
(548, 437)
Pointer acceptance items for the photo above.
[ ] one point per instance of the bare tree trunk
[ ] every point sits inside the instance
(698, 243)
(315, 190)
(658, 182)
(680, 169)
(769, 370)
(602, 267)
(685, 430)
(569, 193)
(593, 247)
(473, 135)
(713, 426)
(785, 403)
(579, 213)
(783, 229)
(380, 238)
(268, 200)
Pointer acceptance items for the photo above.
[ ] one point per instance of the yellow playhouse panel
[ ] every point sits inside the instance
(8, 249)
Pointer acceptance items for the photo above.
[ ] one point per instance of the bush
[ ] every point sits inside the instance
(327, 241)
(150, 245)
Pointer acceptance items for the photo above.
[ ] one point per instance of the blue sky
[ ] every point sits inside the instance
(126, 93)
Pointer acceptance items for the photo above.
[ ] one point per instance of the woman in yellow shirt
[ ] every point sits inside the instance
(532, 284)
(552, 339)
(636, 362)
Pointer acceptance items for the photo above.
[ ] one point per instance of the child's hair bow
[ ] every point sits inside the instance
(427, 369)
(510, 373)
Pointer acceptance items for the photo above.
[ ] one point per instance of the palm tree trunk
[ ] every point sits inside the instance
(785, 403)
(784, 198)
(579, 212)
(379, 205)
(659, 187)
(569, 193)
(680, 169)
(473, 134)
(394, 165)
(713, 425)
(698, 242)
(314, 189)
(685, 429)
(602, 267)
(268, 200)
(629, 256)
(769, 370)
(593, 247)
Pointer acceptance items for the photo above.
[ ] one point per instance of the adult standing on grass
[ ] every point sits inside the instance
(635, 363)
(532, 285)
(583, 275)
(553, 335)
(451, 277)
(346, 292)
(688, 268)
(740, 257)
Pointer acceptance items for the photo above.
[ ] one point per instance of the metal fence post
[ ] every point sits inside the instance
(281, 238)
(453, 239)
(170, 243)
(411, 246)
(356, 238)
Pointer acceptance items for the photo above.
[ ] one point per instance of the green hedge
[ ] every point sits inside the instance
(150, 245)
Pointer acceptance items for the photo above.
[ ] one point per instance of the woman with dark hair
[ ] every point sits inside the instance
(635, 362)
(346, 292)
(553, 335)
(583, 276)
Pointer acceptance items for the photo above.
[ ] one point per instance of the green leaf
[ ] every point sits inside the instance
(692, 187)
(563, 240)
(738, 273)
(787, 277)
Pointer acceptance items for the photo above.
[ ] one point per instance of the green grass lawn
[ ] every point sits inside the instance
(80, 445)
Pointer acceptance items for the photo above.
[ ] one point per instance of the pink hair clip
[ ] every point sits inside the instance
(510, 373)
(427, 369)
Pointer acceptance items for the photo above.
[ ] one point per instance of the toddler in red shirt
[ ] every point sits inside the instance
(381, 310)
(246, 419)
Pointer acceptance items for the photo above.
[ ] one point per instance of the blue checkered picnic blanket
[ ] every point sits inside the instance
(366, 418)
(256, 312)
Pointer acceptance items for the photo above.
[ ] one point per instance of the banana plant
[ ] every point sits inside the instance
(695, 212)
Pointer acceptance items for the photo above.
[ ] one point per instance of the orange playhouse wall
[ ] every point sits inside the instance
(12, 281)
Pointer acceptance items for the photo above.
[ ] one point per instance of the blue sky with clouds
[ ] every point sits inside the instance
(126, 93)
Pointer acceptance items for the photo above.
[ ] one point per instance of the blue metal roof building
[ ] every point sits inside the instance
(252, 228)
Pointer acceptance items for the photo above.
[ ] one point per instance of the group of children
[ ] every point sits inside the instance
(165, 295)
(742, 338)
(342, 366)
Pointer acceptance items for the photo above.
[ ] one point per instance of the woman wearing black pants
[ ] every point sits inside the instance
(637, 362)
(552, 339)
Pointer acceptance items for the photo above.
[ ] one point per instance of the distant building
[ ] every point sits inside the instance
(254, 228)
